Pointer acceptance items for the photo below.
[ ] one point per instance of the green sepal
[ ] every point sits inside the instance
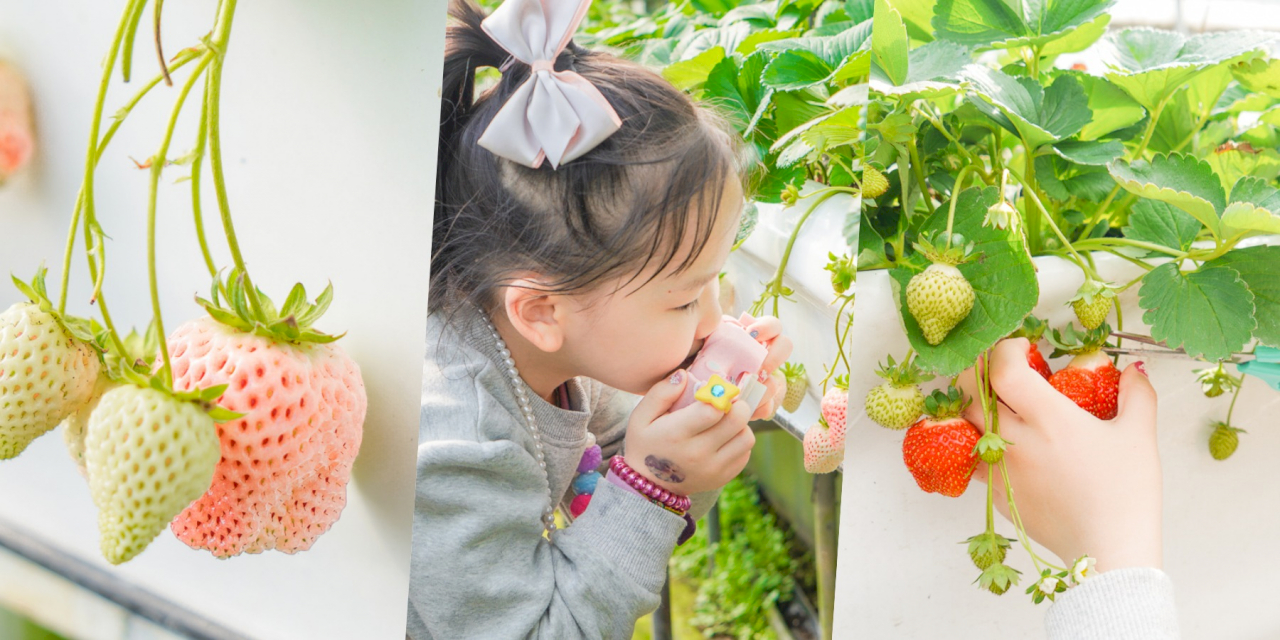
(991, 447)
(906, 374)
(998, 578)
(1072, 341)
(943, 405)
(1032, 329)
(254, 312)
(935, 248)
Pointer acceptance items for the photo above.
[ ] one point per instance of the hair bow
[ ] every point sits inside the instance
(556, 115)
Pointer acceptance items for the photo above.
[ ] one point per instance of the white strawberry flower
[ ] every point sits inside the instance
(1083, 569)
(1049, 585)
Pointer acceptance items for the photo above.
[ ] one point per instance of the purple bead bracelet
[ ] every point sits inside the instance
(648, 489)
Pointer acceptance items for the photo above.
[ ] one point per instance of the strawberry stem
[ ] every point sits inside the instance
(197, 165)
(221, 38)
(773, 288)
(841, 339)
(1231, 409)
(955, 197)
(158, 163)
(1030, 193)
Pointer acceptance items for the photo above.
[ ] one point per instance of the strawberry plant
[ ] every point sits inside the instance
(1044, 134)
(239, 429)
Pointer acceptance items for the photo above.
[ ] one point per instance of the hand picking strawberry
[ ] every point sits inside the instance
(1084, 486)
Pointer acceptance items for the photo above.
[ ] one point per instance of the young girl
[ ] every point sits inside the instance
(585, 210)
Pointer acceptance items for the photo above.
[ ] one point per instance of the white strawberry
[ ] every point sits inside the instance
(47, 369)
(821, 454)
(835, 408)
(149, 454)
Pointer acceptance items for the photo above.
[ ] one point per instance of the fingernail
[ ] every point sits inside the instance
(755, 333)
(677, 377)
(1141, 367)
(763, 376)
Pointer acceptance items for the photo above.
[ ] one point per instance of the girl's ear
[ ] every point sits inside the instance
(535, 314)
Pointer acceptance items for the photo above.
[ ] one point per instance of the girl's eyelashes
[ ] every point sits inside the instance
(689, 307)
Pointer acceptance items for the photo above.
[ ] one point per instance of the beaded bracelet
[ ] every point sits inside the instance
(672, 501)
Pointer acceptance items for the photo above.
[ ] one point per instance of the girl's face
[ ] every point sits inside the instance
(631, 338)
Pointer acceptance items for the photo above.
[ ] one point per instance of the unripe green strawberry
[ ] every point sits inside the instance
(897, 402)
(1223, 441)
(874, 184)
(76, 424)
(797, 385)
(46, 371)
(1215, 382)
(1093, 303)
(940, 296)
(988, 548)
(998, 578)
(148, 455)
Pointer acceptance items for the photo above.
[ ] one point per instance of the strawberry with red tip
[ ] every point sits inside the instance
(835, 408)
(822, 452)
(1090, 380)
(939, 449)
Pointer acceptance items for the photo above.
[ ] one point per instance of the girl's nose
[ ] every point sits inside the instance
(710, 306)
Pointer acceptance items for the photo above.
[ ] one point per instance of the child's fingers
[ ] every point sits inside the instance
(1010, 423)
(1024, 390)
(779, 351)
(724, 430)
(1137, 398)
(660, 398)
(764, 328)
(768, 406)
(738, 446)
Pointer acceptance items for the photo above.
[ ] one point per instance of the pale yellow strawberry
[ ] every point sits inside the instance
(939, 298)
(46, 374)
(148, 455)
(76, 424)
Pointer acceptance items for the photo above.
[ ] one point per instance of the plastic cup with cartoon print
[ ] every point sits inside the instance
(727, 368)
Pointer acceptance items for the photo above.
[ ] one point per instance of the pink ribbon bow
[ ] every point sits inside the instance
(556, 115)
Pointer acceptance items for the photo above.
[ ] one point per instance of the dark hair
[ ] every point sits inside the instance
(627, 204)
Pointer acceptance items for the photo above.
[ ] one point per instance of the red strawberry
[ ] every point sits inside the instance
(835, 407)
(1033, 329)
(938, 450)
(1090, 379)
(1037, 362)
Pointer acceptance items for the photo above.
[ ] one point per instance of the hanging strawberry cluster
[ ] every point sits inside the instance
(238, 431)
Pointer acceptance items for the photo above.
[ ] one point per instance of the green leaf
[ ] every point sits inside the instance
(1180, 180)
(1036, 114)
(933, 72)
(1208, 312)
(1003, 279)
(1079, 39)
(1255, 207)
(1063, 179)
(1151, 64)
(1002, 24)
(1112, 108)
(1233, 164)
(752, 42)
(1261, 76)
(738, 92)
(793, 70)
(1257, 267)
(1094, 152)
(859, 10)
(1161, 223)
(889, 43)
(833, 50)
(690, 74)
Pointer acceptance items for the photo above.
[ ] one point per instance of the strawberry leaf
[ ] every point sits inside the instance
(1180, 180)
(1163, 224)
(1257, 267)
(1208, 312)
(1003, 280)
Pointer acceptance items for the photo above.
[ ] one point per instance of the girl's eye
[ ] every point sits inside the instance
(688, 307)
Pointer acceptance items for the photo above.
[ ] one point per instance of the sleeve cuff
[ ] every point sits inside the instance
(1133, 603)
(629, 531)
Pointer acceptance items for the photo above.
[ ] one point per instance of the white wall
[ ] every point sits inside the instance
(902, 573)
(330, 114)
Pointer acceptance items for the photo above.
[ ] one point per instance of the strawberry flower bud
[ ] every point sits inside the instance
(1001, 215)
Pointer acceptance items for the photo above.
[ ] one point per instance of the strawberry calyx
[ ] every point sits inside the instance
(82, 329)
(991, 448)
(1072, 341)
(940, 248)
(844, 270)
(254, 312)
(945, 405)
(988, 548)
(1215, 382)
(998, 578)
(1032, 329)
(1092, 290)
(793, 371)
(906, 374)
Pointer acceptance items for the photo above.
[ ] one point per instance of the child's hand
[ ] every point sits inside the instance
(1083, 485)
(696, 449)
(769, 333)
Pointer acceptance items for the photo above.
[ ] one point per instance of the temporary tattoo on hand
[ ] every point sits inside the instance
(664, 469)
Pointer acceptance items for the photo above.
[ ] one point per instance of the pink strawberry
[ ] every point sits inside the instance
(285, 463)
(938, 450)
(821, 454)
(835, 408)
(17, 135)
(1090, 379)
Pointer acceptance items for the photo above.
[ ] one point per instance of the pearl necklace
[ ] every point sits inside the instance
(522, 397)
